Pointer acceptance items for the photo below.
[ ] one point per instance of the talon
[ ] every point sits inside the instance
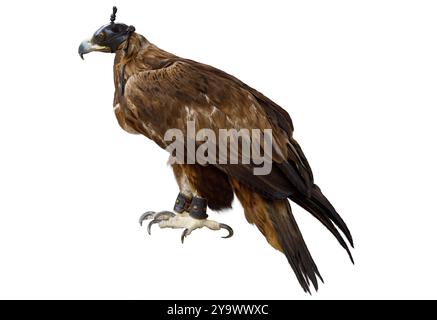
(146, 216)
(225, 226)
(184, 234)
(165, 214)
(149, 226)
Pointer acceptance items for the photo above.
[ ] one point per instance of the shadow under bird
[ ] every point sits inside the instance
(156, 91)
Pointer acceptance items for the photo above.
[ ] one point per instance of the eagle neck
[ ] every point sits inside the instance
(125, 55)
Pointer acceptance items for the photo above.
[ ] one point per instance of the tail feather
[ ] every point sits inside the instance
(314, 201)
(293, 244)
(313, 207)
(330, 211)
(276, 222)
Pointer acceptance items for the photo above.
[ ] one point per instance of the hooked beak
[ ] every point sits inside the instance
(87, 46)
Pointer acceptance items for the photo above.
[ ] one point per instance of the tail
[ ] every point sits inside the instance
(276, 222)
(322, 209)
(315, 202)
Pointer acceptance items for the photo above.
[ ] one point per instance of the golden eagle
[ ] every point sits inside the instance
(156, 91)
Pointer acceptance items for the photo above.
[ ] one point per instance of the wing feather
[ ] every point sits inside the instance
(186, 91)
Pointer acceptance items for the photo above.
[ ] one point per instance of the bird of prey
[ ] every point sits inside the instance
(156, 91)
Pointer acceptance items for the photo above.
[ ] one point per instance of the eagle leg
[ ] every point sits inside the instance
(167, 219)
(182, 204)
(191, 216)
(189, 224)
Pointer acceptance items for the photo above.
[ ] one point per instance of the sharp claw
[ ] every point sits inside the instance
(145, 216)
(184, 234)
(225, 226)
(149, 226)
(163, 214)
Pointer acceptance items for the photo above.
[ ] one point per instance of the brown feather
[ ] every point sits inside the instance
(208, 182)
(164, 91)
(276, 222)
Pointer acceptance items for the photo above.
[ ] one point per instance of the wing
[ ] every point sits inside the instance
(277, 116)
(188, 91)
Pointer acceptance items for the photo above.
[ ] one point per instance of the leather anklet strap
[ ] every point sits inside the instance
(182, 203)
(197, 209)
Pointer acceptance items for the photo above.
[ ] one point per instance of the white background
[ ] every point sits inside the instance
(359, 80)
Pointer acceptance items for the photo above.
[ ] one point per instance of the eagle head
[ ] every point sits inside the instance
(107, 38)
